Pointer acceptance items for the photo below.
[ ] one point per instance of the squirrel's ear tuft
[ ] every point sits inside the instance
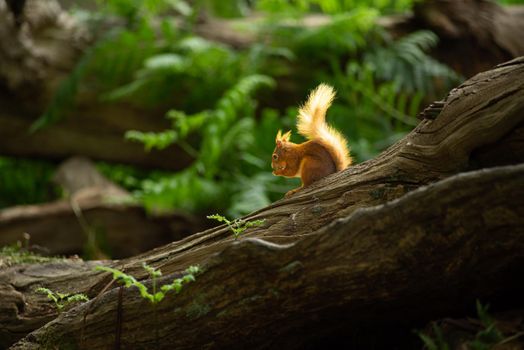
(279, 136)
(282, 138)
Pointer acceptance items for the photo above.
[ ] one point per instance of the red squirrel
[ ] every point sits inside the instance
(326, 150)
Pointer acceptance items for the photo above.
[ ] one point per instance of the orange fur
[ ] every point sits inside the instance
(324, 153)
(312, 124)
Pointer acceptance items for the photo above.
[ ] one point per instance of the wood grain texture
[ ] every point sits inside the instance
(343, 243)
(419, 249)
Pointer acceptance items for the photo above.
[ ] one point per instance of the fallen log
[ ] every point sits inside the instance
(97, 218)
(320, 250)
(418, 250)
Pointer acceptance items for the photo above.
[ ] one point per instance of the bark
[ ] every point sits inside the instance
(363, 269)
(324, 261)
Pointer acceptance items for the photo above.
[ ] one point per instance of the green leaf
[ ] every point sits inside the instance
(159, 140)
(155, 298)
(77, 297)
(50, 295)
(428, 342)
(158, 297)
(154, 273)
(119, 275)
(193, 269)
(165, 62)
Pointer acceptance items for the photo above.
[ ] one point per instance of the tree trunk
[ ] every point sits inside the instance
(338, 255)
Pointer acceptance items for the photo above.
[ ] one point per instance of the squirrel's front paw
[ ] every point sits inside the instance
(290, 193)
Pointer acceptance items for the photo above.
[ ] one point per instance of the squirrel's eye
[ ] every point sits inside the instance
(275, 157)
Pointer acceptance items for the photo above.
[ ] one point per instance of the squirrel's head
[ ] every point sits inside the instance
(281, 154)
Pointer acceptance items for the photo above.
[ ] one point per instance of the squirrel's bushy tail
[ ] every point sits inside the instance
(312, 124)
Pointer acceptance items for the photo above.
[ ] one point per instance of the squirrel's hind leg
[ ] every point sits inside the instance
(292, 192)
(312, 170)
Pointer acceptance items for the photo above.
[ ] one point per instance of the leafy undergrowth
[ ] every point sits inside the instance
(471, 334)
(225, 104)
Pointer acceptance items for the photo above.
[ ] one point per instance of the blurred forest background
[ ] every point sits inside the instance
(125, 123)
(178, 101)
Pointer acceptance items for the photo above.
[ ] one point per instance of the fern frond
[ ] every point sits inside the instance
(407, 63)
(225, 131)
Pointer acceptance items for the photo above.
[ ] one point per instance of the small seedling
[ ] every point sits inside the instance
(490, 335)
(61, 300)
(237, 226)
(439, 343)
(156, 296)
(486, 338)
